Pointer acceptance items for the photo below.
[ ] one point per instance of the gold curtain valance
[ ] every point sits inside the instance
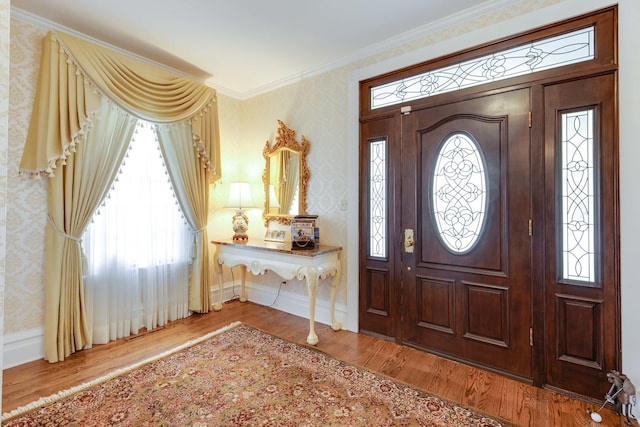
(74, 74)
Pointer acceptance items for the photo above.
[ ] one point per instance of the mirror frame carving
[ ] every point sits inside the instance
(286, 139)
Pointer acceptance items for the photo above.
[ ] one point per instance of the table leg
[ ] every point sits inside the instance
(335, 279)
(243, 281)
(218, 305)
(312, 288)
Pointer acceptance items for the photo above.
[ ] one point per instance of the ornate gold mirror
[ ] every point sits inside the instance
(285, 176)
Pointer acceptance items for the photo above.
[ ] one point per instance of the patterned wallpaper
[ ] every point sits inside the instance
(315, 107)
(4, 124)
(26, 198)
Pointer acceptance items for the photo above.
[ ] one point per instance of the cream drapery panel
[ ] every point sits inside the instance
(190, 185)
(275, 178)
(286, 176)
(291, 166)
(74, 71)
(74, 75)
(74, 194)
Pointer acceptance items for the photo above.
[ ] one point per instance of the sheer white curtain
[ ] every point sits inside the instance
(138, 248)
(181, 150)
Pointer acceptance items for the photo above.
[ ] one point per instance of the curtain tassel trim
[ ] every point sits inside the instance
(62, 233)
(68, 151)
(194, 246)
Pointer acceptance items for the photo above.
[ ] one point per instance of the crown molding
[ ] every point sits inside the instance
(458, 18)
(390, 43)
(38, 21)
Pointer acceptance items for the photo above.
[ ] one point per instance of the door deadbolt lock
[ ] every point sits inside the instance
(408, 240)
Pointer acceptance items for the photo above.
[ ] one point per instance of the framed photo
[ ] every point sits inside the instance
(277, 232)
(275, 235)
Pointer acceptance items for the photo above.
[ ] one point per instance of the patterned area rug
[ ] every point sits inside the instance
(240, 376)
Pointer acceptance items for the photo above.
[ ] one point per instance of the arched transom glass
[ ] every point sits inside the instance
(459, 193)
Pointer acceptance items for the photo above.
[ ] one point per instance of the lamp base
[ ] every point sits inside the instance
(240, 226)
(240, 238)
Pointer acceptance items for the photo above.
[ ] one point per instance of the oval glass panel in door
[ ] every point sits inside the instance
(459, 193)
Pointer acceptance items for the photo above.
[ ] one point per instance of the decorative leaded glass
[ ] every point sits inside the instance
(552, 52)
(459, 193)
(577, 183)
(377, 198)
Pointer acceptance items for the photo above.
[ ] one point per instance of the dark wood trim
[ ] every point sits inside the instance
(605, 21)
(604, 64)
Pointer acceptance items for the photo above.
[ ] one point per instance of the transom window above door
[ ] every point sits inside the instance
(544, 54)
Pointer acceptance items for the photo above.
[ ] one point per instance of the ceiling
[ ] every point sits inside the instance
(243, 47)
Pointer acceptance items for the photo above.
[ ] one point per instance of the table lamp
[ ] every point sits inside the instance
(239, 199)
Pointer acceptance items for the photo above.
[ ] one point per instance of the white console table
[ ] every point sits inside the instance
(258, 256)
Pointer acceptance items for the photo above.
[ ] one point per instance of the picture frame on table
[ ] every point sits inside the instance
(277, 232)
(275, 235)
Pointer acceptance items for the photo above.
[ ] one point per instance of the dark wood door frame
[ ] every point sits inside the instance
(604, 62)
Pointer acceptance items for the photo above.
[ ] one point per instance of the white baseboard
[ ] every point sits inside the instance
(22, 347)
(289, 302)
(27, 346)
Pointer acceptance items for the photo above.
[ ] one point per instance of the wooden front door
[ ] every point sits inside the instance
(490, 216)
(466, 200)
(501, 232)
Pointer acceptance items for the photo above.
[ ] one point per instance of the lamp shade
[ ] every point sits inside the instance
(239, 196)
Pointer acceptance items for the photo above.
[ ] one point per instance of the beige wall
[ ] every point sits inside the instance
(315, 108)
(26, 198)
(321, 107)
(4, 131)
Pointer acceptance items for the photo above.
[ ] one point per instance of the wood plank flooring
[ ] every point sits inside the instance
(488, 392)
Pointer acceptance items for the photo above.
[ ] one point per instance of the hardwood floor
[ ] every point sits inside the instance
(488, 392)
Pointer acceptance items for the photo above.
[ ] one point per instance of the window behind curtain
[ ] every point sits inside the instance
(137, 248)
